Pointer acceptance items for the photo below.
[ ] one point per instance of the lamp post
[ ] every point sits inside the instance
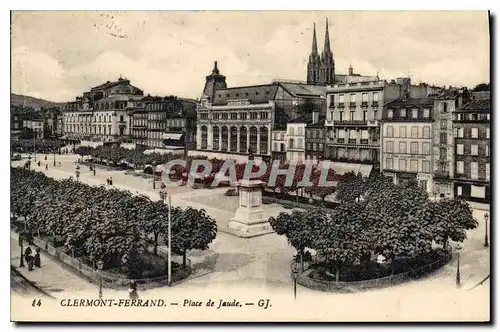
(164, 195)
(54, 158)
(29, 162)
(21, 261)
(486, 217)
(34, 145)
(295, 273)
(100, 265)
(77, 172)
(458, 247)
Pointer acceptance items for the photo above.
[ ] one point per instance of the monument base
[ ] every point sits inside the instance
(249, 223)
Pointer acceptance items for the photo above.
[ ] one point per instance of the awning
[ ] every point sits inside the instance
(342, 168)
(176, 136)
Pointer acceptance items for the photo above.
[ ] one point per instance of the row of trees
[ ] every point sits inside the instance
(138, 158)
(41, 146)
(379, 219)
(113, 225)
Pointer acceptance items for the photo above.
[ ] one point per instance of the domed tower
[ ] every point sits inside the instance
(214, 82)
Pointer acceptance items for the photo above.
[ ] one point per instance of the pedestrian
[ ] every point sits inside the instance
(39, 163)
(94, 171)
(27, 253)
(132, 291)
(107, 181)
(45, 157)
(59, 164)
(46, 166)
(90, 168)
(37, 258)
(31, 261)
(110, 181)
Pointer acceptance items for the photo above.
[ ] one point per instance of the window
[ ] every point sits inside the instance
(487, 150)
(389, 114)
(414, 147)
(308, 146)
(352, 116)
(460, 149)
(487, 165)
(389, 146)
(341, 99)
(474, 170)
(459, 190)
(300, 131)
(402, 113)
(413, 165)
(290, 143)
(427, 132)
(390, 130)
(402, 164)
(474, 150)
(460, 167)
(443, 124)
(364, 97)
(427, 113)
(445, 107)
(426, 166)
(443, 153)
(487, 132)
(375, 97)
(332, 100)
(352, 97)
(299, 143)
(443, 138)
(414, 132)
(402, 147)
(460, 132)
(253, 115)
(414, 113)
(402, 132)
(341, 133)
(352, 134)
(364, 134)
(389, 163)
(474, 132)
(426, 148)
(315, 146)
(290, 131)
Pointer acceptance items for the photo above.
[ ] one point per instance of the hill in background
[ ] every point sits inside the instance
(32, 102)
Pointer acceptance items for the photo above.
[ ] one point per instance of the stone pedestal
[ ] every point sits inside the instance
(250, 217)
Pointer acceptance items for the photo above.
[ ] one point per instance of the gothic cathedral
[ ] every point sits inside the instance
(321, 68)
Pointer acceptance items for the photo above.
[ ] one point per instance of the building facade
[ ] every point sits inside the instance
(103, 112)
(472, 151)
(234, 120)
(278, 151)
(407, 140)
(315, 139)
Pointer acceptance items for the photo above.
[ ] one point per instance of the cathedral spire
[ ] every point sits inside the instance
(215, 71)
(315, 44)
(327, 39)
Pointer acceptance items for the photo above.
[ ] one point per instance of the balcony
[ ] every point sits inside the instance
(340, 140)
(329, 123)
(375, 104)
(352, 105)
(341, 105)
(352, 141)
(442, 175)
(364, 104)
(349, 123)
(372, 123)
(363, 141)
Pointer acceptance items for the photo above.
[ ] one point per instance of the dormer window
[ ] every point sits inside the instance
(267, 92)
(246, 94)
(257, 93)
(227, 95)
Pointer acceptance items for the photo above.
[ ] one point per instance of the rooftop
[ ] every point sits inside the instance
(475, 105)
(427, 101)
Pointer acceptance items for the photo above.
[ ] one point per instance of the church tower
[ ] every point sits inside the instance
(321, 68)
(327, 68)
(214, 82)
(314, 62)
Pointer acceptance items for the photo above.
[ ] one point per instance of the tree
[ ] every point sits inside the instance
(192, 229)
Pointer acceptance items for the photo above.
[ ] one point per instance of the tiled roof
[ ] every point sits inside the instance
(304, 89)
(411, 102)
(256, 94)
(302, 119)
(342, 79)
(475, 105)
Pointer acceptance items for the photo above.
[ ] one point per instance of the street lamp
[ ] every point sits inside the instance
(295, 273)
(100, 265)
(458, 247)
(21, 261)
(77, 172)
(163, 195)
(54, 158)
(486, 217)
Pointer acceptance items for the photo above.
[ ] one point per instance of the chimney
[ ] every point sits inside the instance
(315, 116)
(351, 70)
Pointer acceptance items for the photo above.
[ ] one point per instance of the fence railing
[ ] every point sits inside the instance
(108, 280)
(305, 280)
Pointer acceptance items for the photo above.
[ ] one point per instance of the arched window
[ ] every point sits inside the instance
(264, 136)
(204, 137)
(233, 137)
(243, 140)
(215, 143)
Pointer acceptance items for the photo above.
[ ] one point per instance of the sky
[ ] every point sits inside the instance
(59, 55)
